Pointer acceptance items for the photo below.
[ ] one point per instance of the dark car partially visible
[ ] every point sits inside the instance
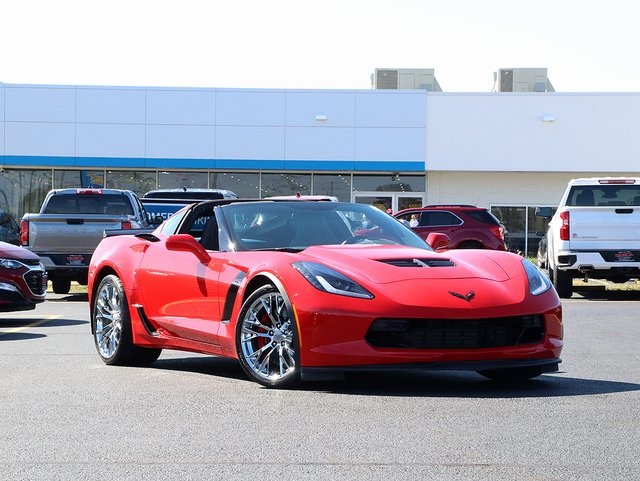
(9, 229)
(23, 279)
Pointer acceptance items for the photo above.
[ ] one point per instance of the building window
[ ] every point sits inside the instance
(23, 191)
(137, 181)
(389, 183)
(179, 180)
(337, 185)
(63, 179)
(285, 184)
(243, 184)
(524, 229)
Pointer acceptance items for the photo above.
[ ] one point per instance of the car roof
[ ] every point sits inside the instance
(327, 198)
(87, 190)
(459, 207)
(190, 194)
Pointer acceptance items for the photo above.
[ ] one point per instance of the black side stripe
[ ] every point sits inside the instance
(230, 300)
(145, 322)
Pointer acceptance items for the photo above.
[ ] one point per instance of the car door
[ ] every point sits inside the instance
(181, 292)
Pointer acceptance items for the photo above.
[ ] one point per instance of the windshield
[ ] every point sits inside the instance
(611, 195)
(297, 225)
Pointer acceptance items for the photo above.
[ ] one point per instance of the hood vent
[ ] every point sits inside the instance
(419, 262)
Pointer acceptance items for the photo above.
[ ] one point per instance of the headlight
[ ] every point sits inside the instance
(538, 280)
(10, 264)
(326, 279)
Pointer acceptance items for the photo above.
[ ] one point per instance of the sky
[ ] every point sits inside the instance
(586, 45)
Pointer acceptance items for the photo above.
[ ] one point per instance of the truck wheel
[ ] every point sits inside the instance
(61, 286)
(563, 282)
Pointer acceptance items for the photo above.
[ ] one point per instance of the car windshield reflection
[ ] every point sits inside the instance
(294, 226)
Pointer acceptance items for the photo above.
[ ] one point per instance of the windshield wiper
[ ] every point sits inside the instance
(280, 249)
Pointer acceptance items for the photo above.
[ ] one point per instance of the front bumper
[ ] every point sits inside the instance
(339, 372)
(13, 299)
(600, 264)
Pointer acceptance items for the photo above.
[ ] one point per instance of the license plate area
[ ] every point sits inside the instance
(75, 260)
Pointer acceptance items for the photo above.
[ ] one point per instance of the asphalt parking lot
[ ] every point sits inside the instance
(66, 416)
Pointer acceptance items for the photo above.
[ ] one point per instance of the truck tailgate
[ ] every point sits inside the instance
(604, 228)
(70, 233)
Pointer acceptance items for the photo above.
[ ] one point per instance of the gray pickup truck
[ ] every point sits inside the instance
(70, 225)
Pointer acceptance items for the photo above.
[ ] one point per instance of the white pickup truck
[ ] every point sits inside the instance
(594, 233)
(70, 225)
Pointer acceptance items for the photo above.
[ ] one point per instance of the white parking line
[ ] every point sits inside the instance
(29, 326)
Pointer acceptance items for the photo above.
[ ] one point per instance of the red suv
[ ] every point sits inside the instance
(467, 226)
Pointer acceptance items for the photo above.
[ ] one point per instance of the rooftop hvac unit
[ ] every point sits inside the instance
(405, 79)
(524, 80)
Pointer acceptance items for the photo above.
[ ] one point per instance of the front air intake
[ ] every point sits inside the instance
(455, 333)
(424, 262)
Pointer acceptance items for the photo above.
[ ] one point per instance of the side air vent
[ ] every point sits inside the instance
(419, 262)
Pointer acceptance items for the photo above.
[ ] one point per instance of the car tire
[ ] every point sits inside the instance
(513, 374)
(61, 286)
(111, 327)
(563, 282)
(267, 339)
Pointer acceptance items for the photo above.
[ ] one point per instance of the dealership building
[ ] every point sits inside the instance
(402, 143)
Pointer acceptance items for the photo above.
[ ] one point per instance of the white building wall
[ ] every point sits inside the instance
(40, 139)
(486, 189)
(214, 128)
(479, 148)
(506, 132)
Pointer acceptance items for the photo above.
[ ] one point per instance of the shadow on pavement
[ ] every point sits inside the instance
(608, 295)
(459, 384)
(73, 297)
(41, 322)
(19, 336)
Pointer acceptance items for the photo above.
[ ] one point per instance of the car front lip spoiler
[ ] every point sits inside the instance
(338, 372)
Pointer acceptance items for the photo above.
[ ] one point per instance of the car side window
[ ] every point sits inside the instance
(170, 226)
(438, 218)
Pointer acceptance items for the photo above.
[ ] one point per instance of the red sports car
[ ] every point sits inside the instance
(23, 280)
(296, 290)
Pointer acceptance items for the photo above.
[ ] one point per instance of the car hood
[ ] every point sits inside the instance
(388, 264)
(10, 251)
(418, 278)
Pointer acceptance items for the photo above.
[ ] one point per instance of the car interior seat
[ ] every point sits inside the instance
(585, 198)
(209, 237)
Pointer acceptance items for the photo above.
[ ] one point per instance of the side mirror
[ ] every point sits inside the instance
(186, 243)
(438, 241)
(545, 212)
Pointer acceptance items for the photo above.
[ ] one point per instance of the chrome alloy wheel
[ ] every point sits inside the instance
(267, 338)
(108, 319)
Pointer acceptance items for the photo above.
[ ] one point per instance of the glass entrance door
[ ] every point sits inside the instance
(390, 200)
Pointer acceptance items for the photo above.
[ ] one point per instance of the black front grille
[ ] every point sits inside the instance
(36, 282)
(455, 333)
